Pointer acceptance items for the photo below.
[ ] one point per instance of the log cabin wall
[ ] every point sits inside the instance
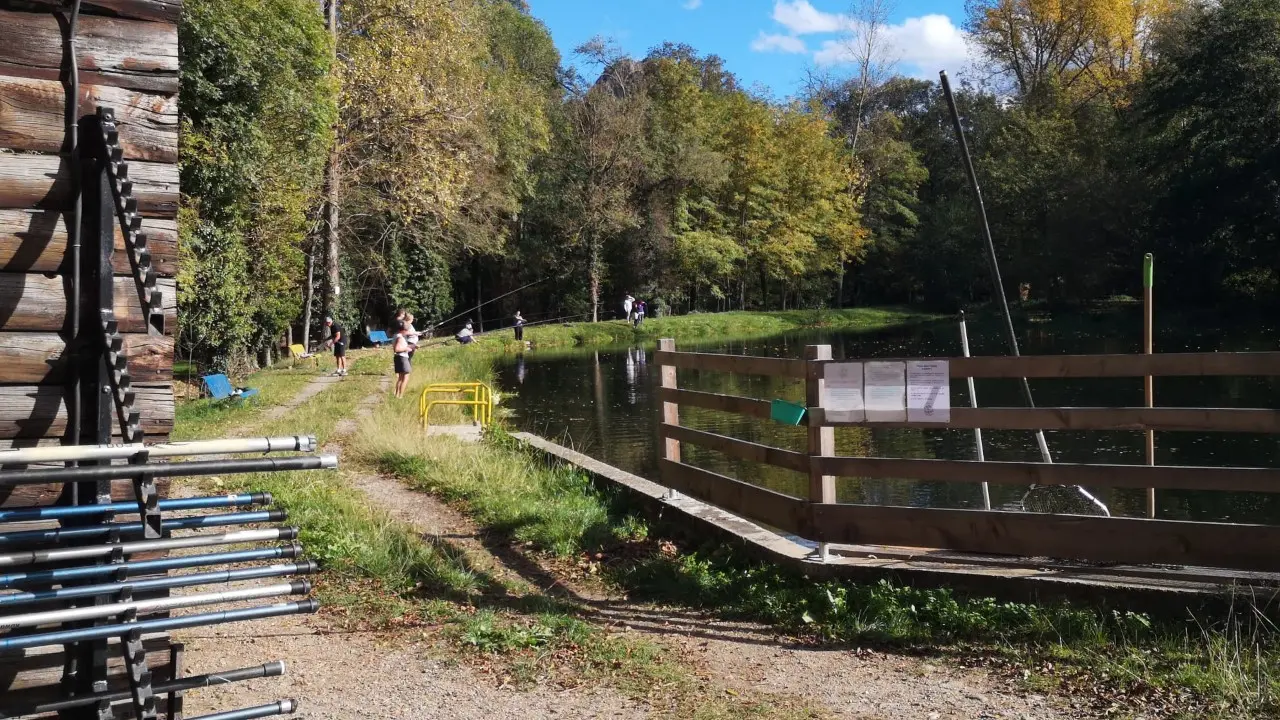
(128, 60)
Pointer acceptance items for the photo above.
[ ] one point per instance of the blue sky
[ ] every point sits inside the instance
(770, 42)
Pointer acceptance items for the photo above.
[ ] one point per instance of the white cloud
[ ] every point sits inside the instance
(929, 43)
(778, 43)
(801, 18)
(692, 4)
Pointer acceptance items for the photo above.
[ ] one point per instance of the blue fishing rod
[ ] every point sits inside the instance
(54, 535)
(192, 503)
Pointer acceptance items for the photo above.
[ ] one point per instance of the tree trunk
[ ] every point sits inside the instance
(595, 281)
(308, 296)
(479, 296)
(840, 286)
(332, 249)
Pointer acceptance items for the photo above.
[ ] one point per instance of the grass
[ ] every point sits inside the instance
(703, 326)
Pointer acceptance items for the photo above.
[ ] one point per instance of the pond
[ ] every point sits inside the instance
(605, 403)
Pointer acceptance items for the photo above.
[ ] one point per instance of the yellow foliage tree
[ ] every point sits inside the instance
(1072, 50)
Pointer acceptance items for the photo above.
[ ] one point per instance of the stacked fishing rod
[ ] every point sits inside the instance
(96, 586)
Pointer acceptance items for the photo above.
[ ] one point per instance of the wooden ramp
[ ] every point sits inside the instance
(1165, 588)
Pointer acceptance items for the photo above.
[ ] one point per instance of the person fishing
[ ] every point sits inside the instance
(401, 362)
(465, 336)
(519, 327)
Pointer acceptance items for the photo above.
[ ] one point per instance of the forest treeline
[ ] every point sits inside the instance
(470, 159)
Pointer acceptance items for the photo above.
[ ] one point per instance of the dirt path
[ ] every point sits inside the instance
(316, 386)
(745, 656)
(339, 675)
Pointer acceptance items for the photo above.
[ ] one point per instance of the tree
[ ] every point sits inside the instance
(256, 106)
(1209, 111)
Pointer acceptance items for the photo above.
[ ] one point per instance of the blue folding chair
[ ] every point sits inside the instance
(219, 387)
(378, 337)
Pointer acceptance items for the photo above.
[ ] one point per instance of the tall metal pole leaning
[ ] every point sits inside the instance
(822, 438)
(1148, 331)
(973, 402)
(992, 262)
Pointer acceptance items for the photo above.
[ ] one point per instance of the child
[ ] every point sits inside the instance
(639, 313)
(402, 351)
(411, 336)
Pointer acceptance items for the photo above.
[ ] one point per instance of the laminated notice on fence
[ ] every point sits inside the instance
(928, 391)
(843, 398)
(885, 391)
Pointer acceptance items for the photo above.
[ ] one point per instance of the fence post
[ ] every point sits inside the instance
(822, 439)
(670, 410)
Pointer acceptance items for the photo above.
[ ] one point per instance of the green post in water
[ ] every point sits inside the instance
(1148, 329)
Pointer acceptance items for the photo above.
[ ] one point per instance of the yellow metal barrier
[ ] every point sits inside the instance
(480, 400)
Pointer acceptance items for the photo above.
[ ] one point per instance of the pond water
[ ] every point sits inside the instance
(605, 403)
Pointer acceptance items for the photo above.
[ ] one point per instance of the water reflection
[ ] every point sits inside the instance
(605, 404)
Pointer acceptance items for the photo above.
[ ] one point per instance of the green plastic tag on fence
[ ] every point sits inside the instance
(787, 413)
(1148, 271)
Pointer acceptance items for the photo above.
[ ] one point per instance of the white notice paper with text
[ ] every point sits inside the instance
(928, 391)
(885, 388)
(843, 399)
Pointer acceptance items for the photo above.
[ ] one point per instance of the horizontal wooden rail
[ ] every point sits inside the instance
(1226, 479)
(1123, 540)
(750, 501)
(1247, 420)
(742, 449)
(738, 364)
(1211, 364)
(713, 401)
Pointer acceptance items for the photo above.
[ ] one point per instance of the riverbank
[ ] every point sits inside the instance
(1116, 660)
(707, 326)
(572, 535)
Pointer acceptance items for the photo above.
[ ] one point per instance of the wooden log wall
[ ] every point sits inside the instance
(128, 60)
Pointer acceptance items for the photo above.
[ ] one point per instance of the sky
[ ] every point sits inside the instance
(766, 42)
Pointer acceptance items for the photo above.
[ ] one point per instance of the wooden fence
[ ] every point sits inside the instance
(821, 518)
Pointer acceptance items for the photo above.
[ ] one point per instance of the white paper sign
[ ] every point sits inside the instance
(885, 388)
(928, 391)
(843, 397)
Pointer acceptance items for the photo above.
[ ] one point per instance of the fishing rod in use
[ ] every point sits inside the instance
(477, 307)
(993, 264)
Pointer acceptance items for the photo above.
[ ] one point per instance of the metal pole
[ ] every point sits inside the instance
(305, 567)
(66, 453)
(993, 262)
(172, 602)
(101, 632)
(1148, 333)
(284, 707)
(181, 469)
(131, 529)
(31, 557)
(973, 402)
(193, 503)
(149, 566)
(272, 669)
(73, 228)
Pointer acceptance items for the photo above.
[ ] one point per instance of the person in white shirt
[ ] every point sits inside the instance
(627, 303)
(464, 335)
